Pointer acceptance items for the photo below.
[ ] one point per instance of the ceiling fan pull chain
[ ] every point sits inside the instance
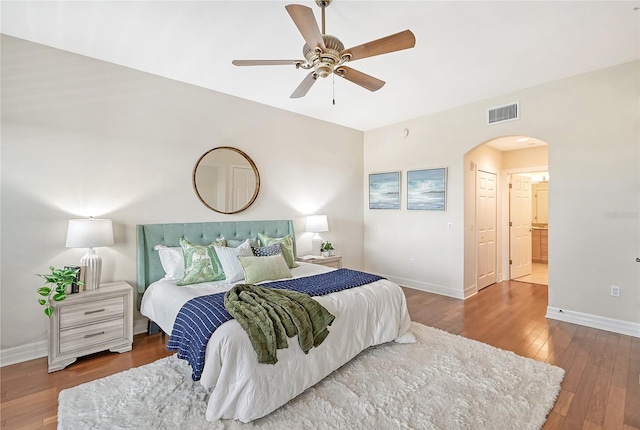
(334, 88)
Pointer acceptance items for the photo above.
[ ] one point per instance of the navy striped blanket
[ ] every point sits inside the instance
(201, 316)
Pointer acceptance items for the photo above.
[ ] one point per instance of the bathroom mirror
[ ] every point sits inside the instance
(226, 180)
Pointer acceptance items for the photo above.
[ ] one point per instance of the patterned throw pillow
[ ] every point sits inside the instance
(221, 241)
(201, 264)
(286, 245)
(267, 251)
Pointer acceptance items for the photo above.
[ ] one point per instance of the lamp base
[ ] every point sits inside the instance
(316, 244)
(92, 263)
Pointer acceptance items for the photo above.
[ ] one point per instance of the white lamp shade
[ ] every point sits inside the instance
(317, 223)
(89, 233)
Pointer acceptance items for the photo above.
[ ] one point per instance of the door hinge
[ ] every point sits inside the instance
(510, 186)
(510, 261)
(510, 224)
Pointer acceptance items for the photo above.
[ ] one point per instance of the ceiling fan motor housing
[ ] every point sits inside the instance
(323, 61)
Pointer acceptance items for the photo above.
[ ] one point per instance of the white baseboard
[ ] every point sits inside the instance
(22, 353)
(471, 290)
(140, 325)
(429, 288)
(31, 351)
(603, 323)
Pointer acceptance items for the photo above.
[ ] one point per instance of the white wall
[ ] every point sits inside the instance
(82, 137)
(591, 123)
(525, 158)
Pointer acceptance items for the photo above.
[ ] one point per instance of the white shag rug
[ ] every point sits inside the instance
(443, 381)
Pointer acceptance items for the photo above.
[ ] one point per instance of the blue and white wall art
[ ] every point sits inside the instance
(427, 189)
(384, 190)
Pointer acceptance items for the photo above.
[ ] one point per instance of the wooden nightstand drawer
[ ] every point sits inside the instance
(83, 337)
(71, 316)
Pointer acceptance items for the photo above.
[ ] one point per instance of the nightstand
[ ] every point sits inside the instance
(89, 322)
(334, 261)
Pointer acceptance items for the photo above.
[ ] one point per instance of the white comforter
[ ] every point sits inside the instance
(245, 390)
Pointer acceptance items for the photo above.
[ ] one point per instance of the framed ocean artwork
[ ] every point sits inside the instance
(427, 189)
(384, 190)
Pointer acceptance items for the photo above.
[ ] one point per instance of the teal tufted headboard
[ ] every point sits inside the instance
(149, 268)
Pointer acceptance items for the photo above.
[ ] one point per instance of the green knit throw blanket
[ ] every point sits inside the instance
(271, 316)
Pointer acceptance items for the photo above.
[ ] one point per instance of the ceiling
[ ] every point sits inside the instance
(465, 51)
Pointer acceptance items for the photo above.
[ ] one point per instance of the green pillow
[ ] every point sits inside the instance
(201, 264)
(286, 244)
(258, 269)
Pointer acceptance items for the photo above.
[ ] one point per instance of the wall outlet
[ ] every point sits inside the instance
(412, 262)
(615, 291)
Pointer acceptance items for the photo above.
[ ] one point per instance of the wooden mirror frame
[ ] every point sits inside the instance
(210, 205)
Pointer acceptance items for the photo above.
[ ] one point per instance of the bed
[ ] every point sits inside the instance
(241, 388)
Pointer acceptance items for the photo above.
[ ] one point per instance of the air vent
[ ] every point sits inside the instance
(503, 113)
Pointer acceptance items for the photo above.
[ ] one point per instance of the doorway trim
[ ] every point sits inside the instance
(504, 226)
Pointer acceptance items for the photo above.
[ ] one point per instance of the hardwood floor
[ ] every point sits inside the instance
(601, 388)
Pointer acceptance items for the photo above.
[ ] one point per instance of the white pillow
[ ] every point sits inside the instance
(172, 260)
(229, 259)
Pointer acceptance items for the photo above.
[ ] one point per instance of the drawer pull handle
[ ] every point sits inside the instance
(94, 312)
(93, 335)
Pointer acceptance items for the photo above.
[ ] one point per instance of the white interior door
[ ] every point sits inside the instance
(520, 226)
(542, 203)
(486, 210)
(243, 186)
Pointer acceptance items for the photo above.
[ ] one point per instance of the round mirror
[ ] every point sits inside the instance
(226, 180)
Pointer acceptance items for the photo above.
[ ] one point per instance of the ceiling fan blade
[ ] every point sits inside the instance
(304, 86)
(359, 78)
(395, 42)
(305, 21)
(266, 62)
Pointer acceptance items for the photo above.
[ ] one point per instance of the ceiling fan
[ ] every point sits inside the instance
(325, 54)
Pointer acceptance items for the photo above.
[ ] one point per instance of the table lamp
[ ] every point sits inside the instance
(90, 233)
(317, 224)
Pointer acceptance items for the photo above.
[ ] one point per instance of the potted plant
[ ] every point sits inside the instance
(56, 285)
(326, 249)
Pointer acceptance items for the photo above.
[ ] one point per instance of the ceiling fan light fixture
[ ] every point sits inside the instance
(324, 61)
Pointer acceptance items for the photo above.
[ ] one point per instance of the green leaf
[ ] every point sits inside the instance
(56, 285)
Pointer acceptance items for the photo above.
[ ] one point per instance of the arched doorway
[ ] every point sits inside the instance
(488, 240)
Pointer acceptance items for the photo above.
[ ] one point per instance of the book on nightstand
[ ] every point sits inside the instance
(75, 286)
